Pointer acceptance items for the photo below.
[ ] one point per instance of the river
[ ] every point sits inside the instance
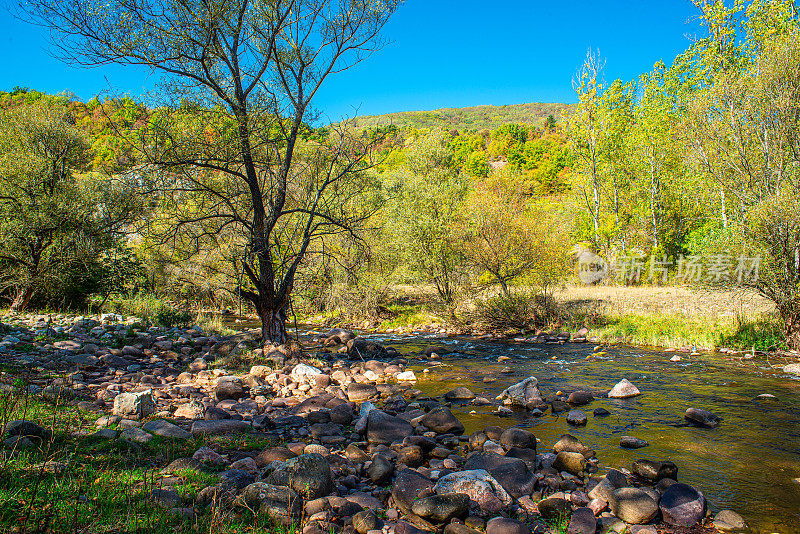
(748, 464)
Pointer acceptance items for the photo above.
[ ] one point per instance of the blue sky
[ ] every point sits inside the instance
(442, 53)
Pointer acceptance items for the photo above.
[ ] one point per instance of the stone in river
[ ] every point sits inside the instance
(633, 505)
(582, 522)
(631, 442)
(682, 505)
(623, 389)
(408, 484)
(702, 418)
(576, 418)
(442, 421)
(386, 429)
(459, 393)
(729, 521)
(655, 471)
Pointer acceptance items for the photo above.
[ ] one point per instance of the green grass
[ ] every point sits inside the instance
(409, 315)
(679, 331)
(108, 483)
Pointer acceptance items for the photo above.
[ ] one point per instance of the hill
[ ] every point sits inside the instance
(471, 118)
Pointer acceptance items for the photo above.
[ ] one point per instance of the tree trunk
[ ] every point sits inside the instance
(22, 299)
(273, 326)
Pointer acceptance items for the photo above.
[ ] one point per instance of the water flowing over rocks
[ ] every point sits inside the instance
(349, 444)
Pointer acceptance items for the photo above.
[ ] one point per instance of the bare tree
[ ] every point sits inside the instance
(253, 68)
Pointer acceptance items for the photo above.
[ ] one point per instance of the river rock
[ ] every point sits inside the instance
(655, 471)
(630, 442)
(159, 427)
(623, 389)
(282, 505)
(579, 398)
(360, 392)
(365, 521)
(702, 418)
(303, 372)
(26, 429)
(381, 470)
(220, 426)
(792, 368)
(582, 522)
(442, 421)
(729, 521)
(512, 473)
(518, 437)
(571, 462)
(570, 443)
(361, 348)
(554, 508)
(505, 525)
(133, 405)
(459, 393)
(442, 507)
(522, 393)
(479, 485)
(407, 486)
(229, 388)
(682, 505)
(577, 418)
(309, 475)
(385, 428)
(633, 505)
(611, 482)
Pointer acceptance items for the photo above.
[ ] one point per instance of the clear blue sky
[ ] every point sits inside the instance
(442, 53)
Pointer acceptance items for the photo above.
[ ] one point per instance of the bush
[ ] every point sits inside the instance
(516, 310)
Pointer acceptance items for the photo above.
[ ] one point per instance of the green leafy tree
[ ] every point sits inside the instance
(254, 66)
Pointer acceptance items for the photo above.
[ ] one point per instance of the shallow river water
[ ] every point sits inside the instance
(748, 464)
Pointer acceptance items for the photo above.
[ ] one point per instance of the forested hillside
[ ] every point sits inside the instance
(469, 118)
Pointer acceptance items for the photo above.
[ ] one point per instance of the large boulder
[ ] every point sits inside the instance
(162, 428)
(682, 505)
(134, 405)
(512, 473)
(582, 522)
(282, 505)
(408, 484)
(26, 429)
(633, 505)
(442, 421)
(479, 485)
(623, 389)
(385, 428)
(303, 372)
(440, 508)
(571, 462)
(309, 475)
(524, 393)
(613, 481)
(229, 388)
(360, 392)
(364, 349)
(518, 437)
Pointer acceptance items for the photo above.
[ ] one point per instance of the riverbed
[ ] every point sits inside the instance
(749, 463)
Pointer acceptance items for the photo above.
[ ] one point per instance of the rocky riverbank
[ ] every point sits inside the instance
(354, 447)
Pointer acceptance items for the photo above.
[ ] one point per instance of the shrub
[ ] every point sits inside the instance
(515, 310)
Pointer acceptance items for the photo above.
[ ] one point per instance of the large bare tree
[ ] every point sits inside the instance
(252, 67)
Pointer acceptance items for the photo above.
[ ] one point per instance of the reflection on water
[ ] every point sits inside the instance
(746, 464)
